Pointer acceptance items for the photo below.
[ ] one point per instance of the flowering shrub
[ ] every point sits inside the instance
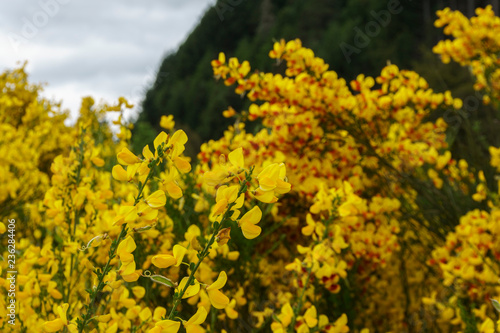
(345, 210)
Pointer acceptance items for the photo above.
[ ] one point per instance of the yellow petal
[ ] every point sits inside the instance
(113, 328)
(126, 257)
(218, 299)
(163, 260)
(157, 199)
(127, 245)
(311, 317)
(159, 312)
(271, 171)
(250, 231)
(167, 122)
(219, 207)
(267, 184)
(282, 187)
(97, 161)
(132, 170)
(198, 318)
(131, 277)
(147, 213)
(236, 158)
(55, 294)
(173, 190)
(219, 283)
(179, 252)
(169, 326)
(54, 325)
(214, 177)
(230, 193)
(253, 216)
(265, 196)
(179, 137)
(146, 153)
(192, 290)
(61, 311)
(126, 157)
(127, 268)
(104, 318)
(160, 138)
(119, 173)
(138, 291)
(182, 164)
(145, 314)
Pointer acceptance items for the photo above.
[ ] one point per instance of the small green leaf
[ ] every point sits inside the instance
(162, 280)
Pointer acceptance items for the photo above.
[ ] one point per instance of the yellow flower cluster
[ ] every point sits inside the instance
(475, 44)
(344, 212)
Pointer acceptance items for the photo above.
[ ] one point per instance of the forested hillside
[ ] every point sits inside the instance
(353, 36)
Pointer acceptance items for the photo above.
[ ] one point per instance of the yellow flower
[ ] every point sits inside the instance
(139, 291)
(311, 317)
(169, 184)
(126, 214)
(230, 311)
(167, 260)
(340, 325)
(124, 251)
(311, 225)
(217, 298)
(166, 326)
(224, 172)
(487, 326)
(248, 223)
(126, 157)
(157, 199)
(167, 122)
(192, 325)
(159, 140)
(58, 323)
(191, 291)
(286, 315)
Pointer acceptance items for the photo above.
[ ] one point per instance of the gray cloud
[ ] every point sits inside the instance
(112, 47)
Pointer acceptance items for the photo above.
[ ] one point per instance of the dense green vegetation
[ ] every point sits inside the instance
(343, 32)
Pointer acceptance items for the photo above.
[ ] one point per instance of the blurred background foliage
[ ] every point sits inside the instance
(185, 87)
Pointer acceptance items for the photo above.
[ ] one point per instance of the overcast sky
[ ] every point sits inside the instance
(106, 48)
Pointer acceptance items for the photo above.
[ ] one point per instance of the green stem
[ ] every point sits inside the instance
(204, 253)
(91, 308)
(296, 310)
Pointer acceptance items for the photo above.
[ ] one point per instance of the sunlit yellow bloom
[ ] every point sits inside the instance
(157, 199)
(248, 223)
(191, 291)
(217, 298)
(126, 157)
(192, 325)
(167, 122)
(167, 260)
(166, 326)
(58, 323)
